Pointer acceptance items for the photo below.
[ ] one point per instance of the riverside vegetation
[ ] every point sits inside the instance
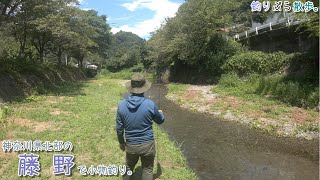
(241, 100)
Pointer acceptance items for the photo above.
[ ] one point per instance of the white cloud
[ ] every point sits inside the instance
(81, 2)
(161, 8)
(87, 9)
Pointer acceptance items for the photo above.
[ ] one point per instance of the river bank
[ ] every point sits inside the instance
(257, 112)
(217, 149)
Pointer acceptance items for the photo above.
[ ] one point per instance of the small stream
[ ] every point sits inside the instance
(217, 149)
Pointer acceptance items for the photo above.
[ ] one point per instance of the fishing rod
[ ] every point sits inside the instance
(159, 106)
(158, 81)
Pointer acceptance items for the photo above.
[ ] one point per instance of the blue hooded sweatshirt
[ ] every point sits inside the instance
(135, 117)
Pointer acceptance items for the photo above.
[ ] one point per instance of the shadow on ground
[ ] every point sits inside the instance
(66, 88)
(137, 175)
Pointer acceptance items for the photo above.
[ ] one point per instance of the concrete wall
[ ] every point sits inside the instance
(285, 39)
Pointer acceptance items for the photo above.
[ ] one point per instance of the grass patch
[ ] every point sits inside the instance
(292, 92)
(4, 111)
(124, 74)
(262, 99)
(176, 88)
(83, 113)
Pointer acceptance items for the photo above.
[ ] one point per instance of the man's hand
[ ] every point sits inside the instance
(160, 111)
(123, 147)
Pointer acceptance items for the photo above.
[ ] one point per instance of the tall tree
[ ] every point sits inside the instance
(192, 37)
(55, 27)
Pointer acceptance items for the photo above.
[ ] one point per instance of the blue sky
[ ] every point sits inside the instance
(138, 16)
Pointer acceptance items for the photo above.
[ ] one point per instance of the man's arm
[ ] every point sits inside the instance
(159, 117)
(120, 128)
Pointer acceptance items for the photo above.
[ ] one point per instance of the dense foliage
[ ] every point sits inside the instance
(193, 37)
(197, 35)
(295, 92)
(37, 32)
(127, 51)
(257, 62)
(198, 38)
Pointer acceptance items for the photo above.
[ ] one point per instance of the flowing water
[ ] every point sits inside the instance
(216, 149)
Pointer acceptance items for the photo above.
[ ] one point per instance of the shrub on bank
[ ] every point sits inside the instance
(296, 93)
(4, 111)
(290, 78)
(230, 80)
(259, 62)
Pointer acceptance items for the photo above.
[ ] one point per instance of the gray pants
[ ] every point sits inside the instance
(147, 153)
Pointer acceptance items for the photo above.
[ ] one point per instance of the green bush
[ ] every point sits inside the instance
(256, 62)
(229, 80)
(4, 112)
(292, 92)
(313, 98)
(266, 83)
(104, 72)
(239, 85)
(137, 68)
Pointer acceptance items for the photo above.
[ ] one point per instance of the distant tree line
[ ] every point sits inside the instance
(49, 31)
(127, 51)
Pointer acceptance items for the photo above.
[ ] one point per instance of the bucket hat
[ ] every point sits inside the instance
(138, 84)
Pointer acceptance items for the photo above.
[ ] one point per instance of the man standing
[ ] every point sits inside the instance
(135, 116)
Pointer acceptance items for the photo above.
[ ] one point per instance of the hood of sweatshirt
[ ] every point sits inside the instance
(134, 101)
